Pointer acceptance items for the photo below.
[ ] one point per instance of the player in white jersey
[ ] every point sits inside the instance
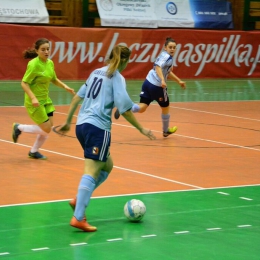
(155, 87)
(104, 89)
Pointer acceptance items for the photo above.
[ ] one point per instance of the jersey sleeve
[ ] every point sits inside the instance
(54, 77)
(121, 98)
(82, 91)
(29, 74)
(161, 60)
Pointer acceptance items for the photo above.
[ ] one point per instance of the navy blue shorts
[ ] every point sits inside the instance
(151, 92)
(94, 141)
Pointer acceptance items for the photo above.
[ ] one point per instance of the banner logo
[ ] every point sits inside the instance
(107, 5)
(171, 8)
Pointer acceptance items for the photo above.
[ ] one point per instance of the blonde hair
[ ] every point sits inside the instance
(120, 54)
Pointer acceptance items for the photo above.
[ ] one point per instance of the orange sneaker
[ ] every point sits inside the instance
(83, 225)
(72, 204)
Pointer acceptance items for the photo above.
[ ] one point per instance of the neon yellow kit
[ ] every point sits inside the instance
(38, 75)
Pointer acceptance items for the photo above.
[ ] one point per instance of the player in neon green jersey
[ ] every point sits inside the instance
(35, 83)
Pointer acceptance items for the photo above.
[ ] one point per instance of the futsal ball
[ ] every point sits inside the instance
(134, 210)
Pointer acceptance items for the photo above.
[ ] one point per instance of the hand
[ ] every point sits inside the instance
(35, 102)
(64, 129)
(182, 84)
(148, 133)
(70, 90)
(163, 84)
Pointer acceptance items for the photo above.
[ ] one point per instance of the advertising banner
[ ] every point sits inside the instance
(164, 13)
(77, 51)
(127, 13)
(174, 14)
(212, 14)
(23, 11)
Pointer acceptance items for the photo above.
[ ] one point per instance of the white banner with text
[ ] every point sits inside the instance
(23, 11)
(127, 13)
(164, 13)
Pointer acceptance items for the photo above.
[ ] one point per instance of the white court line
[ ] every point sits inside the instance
(244, 226)
(223, 193)
(191, 80)
(212, 229)
(184, 136)
(40, 249)
(182, 232)
(114, 239)
(18, 81)
(139, 172)
(216, 142)
(150, 175)
(5, 253)
(79, 244)
(243, 198)
(157, 177)
(202, 139)
(121, 168)
(134, 194)
(214, 113)
(145, 236)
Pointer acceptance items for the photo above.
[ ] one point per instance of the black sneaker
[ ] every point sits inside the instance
(37, 155)
(15, 132)
(171, 130)
(116, 114)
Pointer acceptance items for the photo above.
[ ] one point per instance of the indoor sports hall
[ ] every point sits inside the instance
(200, 185)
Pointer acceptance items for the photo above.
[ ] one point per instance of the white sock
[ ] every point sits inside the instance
(33, 129)
(40, 139)
(135, 108)
(165, 122)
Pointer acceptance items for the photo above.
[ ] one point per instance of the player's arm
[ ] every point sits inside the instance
(60, 84)
(73, 106)
(172, 76)
(27, 90)
(159, 72)
(129, 116)
(124, 104)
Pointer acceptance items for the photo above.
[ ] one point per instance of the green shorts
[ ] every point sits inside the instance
(40, 114)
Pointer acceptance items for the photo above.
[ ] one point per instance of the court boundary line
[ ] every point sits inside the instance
(154, 176)
(11, 81)
(175, 107)
(214, 113)
(139, 172)
(155, 104)
(117, 167)
(201, 139)
(131, 194)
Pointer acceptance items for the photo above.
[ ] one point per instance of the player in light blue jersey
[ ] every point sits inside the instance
(155, 87)
(104, 89)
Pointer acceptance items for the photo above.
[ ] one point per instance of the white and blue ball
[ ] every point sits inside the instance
(134, 210)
